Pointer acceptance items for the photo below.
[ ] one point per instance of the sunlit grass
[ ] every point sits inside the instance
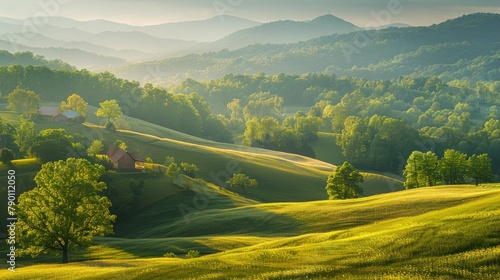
(455, 238)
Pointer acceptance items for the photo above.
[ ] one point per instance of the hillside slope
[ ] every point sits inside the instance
(458, 240)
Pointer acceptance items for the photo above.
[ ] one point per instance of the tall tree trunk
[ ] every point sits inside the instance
(65, 253)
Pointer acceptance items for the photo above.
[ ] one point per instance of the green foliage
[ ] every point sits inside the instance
(173, 171)
(293, 135)
(25, 135)
(6, 155)
(110, 110)
(95, 147)
(52, 145)
(75, 103)
(64, 210)
(149, 160)
(170, 255)
(189, 169)
(24, 101)
(193, 254)
(354, 139)
(479, 168)
(421, 170)
(453, 167)
(29, 59)
(344, 182)
(242, 181)
(168, 160)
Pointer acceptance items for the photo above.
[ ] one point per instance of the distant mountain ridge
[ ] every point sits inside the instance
(200, 30)
(387, 54)
(285, 31)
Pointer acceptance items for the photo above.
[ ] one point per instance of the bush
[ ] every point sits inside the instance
(170, 255)
(192, 254)
(6, 155)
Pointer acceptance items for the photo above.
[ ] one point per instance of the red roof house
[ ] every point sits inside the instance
(122, 159)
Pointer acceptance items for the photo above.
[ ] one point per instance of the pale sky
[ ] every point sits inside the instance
(360, 12)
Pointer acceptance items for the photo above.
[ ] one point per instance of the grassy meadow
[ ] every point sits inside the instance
(447, 232)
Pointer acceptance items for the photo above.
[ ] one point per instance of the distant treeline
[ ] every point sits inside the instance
(378, 122)
(185, 113)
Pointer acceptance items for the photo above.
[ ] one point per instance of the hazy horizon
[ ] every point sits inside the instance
(360, 12)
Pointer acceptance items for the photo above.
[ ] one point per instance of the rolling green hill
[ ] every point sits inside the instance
(447, 232)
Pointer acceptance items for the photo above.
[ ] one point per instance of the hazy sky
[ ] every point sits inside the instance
(360, 12)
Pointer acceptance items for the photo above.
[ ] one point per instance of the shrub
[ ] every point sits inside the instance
(192, 254)
(170, 255)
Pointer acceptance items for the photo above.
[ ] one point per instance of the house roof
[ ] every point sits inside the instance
(49, 111)
(70, 114)
(120, 153)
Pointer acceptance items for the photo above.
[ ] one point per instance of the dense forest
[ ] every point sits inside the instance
(466, 47)
(378, 123)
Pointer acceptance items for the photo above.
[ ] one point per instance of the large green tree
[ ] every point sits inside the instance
(24, 101)
(76, 103)
(344, 182)
(64, 210)
(479, 168)
(109, 109)
(52, 145)
(453, 167)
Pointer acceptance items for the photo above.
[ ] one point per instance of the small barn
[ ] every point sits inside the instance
(122, 159)
(69, 117)
(48, 113)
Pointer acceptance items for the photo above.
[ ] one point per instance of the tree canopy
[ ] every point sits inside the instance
(241, 180)
(110, 109)
(24, 101)
(64, 210)
(76, 103)
(344, 182)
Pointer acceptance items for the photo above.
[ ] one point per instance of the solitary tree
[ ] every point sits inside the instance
(110, 110)
(344, 182)
(242, 181)
(24, 101)
(64, 210)
(76, 103)
(479, 168)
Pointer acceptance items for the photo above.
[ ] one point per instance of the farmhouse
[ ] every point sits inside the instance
(47, 112)
(122, 159)
(69, 117)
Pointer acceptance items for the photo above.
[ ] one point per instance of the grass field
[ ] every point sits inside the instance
(448, 232)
